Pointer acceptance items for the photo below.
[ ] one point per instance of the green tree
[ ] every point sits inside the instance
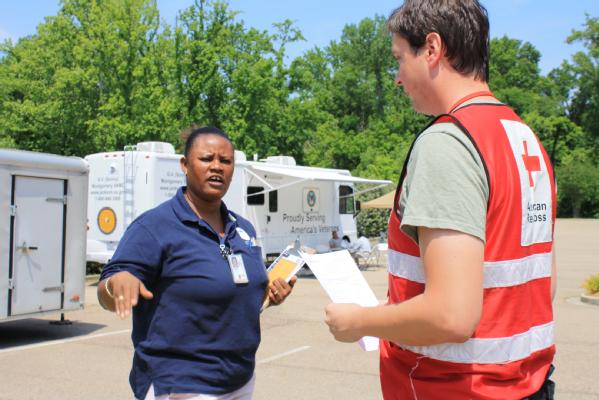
(576, 83)
(6, 142)
(557, 132)
(583, 71)
(366, 123)
(514, 77)
(85, 82)
(577, 184)
(104, 73)
(235, 78)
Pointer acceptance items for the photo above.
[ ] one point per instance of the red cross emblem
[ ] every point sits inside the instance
(531, 163)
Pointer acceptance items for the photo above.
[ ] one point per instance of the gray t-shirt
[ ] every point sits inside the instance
(446, 184)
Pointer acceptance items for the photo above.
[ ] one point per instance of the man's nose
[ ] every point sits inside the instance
(397, 80)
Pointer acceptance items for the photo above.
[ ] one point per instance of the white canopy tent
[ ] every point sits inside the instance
(303, 174)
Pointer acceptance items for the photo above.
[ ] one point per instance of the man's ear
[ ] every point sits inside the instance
(433, 47)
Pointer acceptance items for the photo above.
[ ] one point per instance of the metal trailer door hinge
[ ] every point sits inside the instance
(13, 210)
(11, 284)
(62, 199)
(54, 288)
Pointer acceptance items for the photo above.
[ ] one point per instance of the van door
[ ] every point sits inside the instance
(37, 236)
(347, 210)
(257, 211)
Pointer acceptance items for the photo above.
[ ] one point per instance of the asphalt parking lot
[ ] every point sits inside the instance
(298, 359)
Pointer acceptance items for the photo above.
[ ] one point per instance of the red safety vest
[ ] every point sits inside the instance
(512, 348)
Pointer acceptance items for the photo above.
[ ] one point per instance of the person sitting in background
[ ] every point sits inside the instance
(335, 243)
(362, 245)
(346, 242)
(357, 249)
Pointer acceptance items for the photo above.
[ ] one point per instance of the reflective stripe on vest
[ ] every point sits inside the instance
(496, 273)
(491, 351)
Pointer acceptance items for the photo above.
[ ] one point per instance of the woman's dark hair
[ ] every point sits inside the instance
(346, 238)
(192, 133)
(462, 24)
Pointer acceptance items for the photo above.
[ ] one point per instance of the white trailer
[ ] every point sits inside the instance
(43, 215)
(283, 201)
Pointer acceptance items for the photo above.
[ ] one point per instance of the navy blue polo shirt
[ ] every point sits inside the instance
(200, 332)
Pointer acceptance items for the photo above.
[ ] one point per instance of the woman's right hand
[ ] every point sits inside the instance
(126, 289)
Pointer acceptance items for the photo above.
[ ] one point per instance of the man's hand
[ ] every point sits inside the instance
(344, 321)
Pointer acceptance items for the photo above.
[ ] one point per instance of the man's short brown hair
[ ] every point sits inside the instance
(462, 24)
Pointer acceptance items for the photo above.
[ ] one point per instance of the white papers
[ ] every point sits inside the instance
(340, 277)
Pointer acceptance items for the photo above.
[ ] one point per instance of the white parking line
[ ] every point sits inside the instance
(62, 341)
(287, 353)
(88, 337)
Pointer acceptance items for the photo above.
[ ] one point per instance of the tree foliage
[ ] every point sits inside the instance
(582, 74)
(367, 124)
(578, 187)
(372, 222)
(102, 74)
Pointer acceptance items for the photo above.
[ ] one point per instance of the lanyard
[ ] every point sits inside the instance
(470, 97)
(225, 250)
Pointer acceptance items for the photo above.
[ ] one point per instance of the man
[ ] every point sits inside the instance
(335, 242)
(471, 266)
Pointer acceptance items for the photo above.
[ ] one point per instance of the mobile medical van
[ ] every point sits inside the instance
(43, 212)
(285, 202)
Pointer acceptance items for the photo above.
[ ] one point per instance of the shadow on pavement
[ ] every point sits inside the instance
(32, 331)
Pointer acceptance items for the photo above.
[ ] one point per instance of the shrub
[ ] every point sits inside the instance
(93, 268)
(591, 285)
(372, 222)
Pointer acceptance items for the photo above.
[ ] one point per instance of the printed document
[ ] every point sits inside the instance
(341, 279)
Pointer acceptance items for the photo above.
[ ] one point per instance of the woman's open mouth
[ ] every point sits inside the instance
(216, 181)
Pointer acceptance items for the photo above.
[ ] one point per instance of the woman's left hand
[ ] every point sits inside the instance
(279, 290)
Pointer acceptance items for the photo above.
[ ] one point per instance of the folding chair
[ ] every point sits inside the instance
(374, 257)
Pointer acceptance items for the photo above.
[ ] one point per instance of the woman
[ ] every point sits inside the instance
(190, 273)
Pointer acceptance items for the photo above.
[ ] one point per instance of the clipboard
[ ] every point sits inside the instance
(285, 266)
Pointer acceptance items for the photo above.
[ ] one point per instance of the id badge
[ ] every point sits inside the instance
(237, 268)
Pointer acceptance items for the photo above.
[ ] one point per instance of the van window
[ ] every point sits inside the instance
(346, 200)
(273, 201)
(258, 199)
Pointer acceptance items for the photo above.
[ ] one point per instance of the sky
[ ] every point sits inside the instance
(544, 23)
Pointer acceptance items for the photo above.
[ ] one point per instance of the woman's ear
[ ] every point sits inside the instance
(183, 163)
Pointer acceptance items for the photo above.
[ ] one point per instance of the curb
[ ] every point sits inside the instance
(585, 298)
